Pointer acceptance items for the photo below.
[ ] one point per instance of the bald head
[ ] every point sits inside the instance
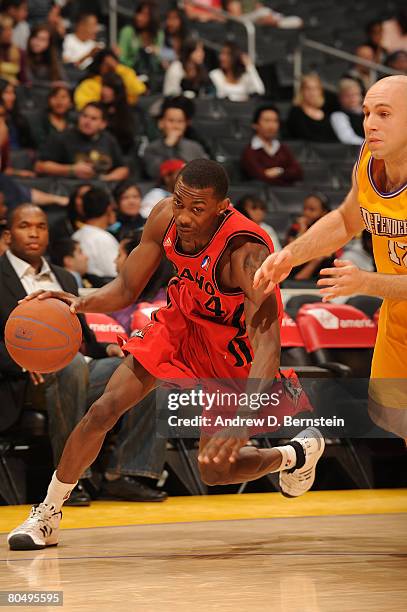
(385, 108)
(395, 83)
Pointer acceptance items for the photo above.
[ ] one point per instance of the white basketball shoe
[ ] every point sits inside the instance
(299, 480)
(38, 531)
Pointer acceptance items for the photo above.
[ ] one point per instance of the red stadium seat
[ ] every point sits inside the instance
(105, 328)
(338, 333)
(142, 314)
(290, 335)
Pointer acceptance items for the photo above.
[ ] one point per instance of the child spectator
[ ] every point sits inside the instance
(127, 196)
(254, 208)
(316, 205)
(96, 242)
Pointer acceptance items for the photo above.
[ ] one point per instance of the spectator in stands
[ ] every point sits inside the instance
(80, 47)
(308, 118)
(316, 205)
(202, 14)
(16, 194)
(266, 158)
(23, 269)
(120, 119)
(42, 62)
(173, 123)
(374, 39)
(175, 34)
(67, 253)
(365, 76)
(254, 208)
(96, 242)
(86, 151)
(169, 170)
(237, 77)
(187, 104)
(3, 239)
(188, 74)
(18, 127)
(395, 32)
(360, 252)
(141, 42)
(155, 288)
(347, 122)
(127, 196)
(398, 61)
(106, 62)
(58, 116)
(258, 13)
(18, 11)
(12, 65)
(75, 212)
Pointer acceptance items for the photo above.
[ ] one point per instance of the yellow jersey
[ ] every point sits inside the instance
(385, 217)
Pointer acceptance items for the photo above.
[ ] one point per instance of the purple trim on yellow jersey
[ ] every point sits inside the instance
(391, 194)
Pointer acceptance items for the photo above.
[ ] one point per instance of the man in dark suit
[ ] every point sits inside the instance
(23, 269)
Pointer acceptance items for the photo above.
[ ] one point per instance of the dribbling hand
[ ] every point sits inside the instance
(73, 301)
(273, 270)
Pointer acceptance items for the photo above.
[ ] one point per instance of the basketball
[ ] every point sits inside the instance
(43, 335)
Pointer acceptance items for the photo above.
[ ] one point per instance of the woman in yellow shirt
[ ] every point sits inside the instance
(90, 89)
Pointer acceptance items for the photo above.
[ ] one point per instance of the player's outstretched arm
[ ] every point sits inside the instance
(137, 271)
(322, 239)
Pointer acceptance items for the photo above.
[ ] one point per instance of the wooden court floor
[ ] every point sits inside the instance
(329, 552)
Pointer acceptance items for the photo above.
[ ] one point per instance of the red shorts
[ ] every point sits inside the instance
(176, 347)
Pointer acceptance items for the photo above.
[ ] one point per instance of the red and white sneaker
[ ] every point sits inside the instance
(38, 531)
(299, 480)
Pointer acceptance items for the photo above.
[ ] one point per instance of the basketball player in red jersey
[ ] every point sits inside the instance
(215, 326)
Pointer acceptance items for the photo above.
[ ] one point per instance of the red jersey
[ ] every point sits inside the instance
(198, 272)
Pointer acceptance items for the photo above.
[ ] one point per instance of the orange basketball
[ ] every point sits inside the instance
(43, 335)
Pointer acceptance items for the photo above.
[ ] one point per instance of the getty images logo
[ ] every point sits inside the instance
(328, 320)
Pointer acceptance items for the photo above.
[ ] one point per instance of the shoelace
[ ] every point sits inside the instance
(36, 515)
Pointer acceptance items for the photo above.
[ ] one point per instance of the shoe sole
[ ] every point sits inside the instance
(83, 504)
(314, 469)
(25, 542)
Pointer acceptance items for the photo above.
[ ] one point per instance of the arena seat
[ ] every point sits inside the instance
(366, 303)
(295, 302)
(337, 334)
(293, 351)
(105, 328)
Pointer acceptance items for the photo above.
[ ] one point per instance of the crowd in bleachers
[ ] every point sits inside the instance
(95, 132)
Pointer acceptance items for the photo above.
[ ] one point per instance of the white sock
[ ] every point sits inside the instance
(58, 492)
(288, 458)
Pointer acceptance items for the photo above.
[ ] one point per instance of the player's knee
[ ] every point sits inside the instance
(101, 416)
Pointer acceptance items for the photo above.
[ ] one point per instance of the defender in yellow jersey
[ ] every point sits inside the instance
(378, 202)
